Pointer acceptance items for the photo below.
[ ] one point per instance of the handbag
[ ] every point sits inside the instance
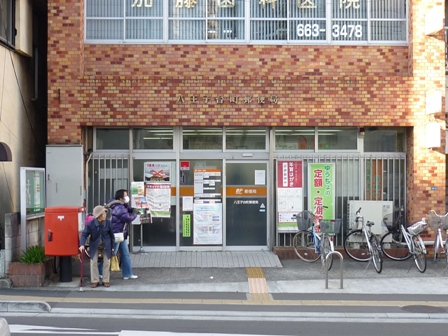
(119, 236)
(114, 266)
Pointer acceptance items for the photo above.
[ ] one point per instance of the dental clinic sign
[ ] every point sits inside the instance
(321, 190)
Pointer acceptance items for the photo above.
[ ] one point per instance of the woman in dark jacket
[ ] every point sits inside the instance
(101, 238)
(122, 216)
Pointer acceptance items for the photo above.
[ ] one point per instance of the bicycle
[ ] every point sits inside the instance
(314, 239)
(393, 243)
(440, 244)
(405, 243)
(362, 244)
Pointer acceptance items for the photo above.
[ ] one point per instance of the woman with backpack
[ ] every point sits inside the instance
(102, 241)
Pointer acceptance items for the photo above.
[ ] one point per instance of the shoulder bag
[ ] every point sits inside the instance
(119, 236)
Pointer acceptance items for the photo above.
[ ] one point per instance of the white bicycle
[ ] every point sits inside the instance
(438, 222)
(415, 243)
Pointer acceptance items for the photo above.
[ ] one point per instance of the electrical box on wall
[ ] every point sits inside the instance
(64, 175)
(372, 211)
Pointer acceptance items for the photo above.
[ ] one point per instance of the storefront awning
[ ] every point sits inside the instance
(5, 152)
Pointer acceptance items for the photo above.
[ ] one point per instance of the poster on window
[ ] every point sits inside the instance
(138, 189)
(321, 190)
(157, 171)
(374, 180)
(158, 197)
(289, 194)
(207, 223)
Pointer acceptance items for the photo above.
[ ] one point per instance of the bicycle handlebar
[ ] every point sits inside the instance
(438, 215)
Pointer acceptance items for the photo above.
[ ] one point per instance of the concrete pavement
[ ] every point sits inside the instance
(262, 281)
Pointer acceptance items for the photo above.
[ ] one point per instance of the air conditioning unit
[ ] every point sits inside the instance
(372, 211)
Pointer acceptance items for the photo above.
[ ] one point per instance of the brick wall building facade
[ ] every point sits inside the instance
(135, 85)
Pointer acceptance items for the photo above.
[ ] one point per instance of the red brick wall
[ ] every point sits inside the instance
(139, 85)
(427, 167)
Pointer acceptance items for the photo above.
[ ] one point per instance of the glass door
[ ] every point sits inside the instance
(201, 211)
(246, 203)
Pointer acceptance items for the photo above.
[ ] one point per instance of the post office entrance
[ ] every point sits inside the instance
(246, 204)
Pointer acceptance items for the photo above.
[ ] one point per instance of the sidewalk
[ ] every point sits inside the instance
(245, 278)
(229, 272)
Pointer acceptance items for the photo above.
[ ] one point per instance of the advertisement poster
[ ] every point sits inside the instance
(321, 190)
(140, 203)
(157, 171)
(207, 223)
(138, 200)
(289, 194)
(33, 181)
(138, 189)
(158, 196)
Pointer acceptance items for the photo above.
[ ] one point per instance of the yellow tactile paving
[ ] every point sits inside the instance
(254, 272)
(258, 288)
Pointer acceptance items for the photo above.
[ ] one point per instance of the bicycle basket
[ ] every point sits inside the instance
(389, 223)
(435, 222)
(331, 226)
(418, 227)
(305, 220)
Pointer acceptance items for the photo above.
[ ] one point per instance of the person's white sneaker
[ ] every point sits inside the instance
(130, 277)
(101, 276)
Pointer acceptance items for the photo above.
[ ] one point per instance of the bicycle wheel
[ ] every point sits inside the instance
(446, 251)
(420, 253)
(436, 248)
(356, 247)
(394, 246)
(375, 252)
(303, 244)
(326, 249)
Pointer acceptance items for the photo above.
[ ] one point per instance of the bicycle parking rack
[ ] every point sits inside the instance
(341, 258)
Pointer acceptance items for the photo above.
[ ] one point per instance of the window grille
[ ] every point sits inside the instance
(258, 21)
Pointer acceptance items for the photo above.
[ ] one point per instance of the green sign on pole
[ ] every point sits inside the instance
(321, 190)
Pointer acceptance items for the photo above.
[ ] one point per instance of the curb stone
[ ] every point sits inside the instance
(25, 306)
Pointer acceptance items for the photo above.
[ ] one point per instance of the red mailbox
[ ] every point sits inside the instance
(62, 227)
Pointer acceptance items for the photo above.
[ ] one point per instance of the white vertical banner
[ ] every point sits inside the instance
(289, 194)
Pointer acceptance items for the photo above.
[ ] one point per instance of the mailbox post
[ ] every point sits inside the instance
(62, 227)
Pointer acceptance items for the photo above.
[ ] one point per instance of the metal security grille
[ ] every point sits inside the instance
(106, 174)
(242, 21)
(376, 177)
(356, 178)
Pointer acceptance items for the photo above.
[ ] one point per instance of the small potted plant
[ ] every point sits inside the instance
(32, 268)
